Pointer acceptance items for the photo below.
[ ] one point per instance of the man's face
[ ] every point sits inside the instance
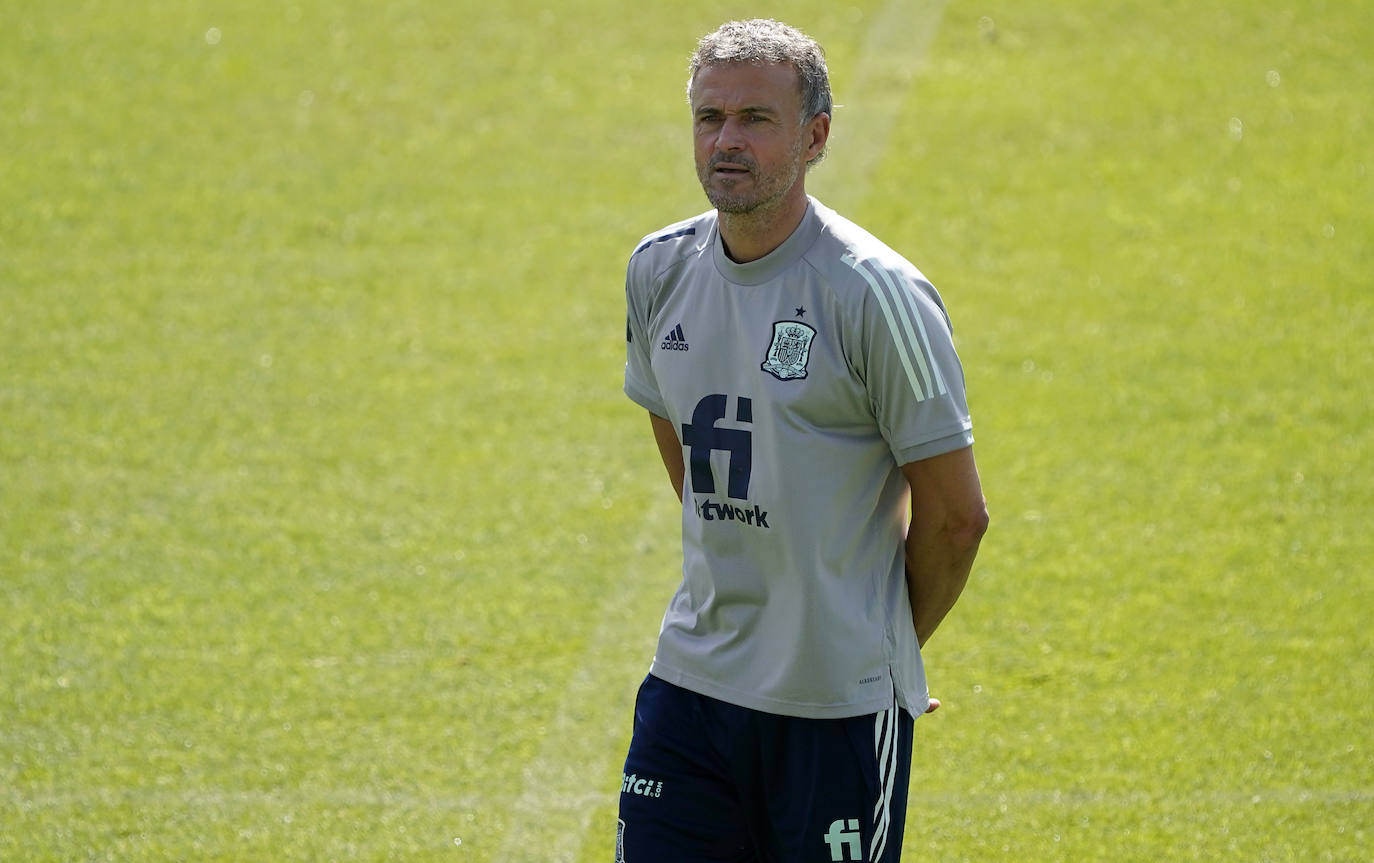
(751, 146)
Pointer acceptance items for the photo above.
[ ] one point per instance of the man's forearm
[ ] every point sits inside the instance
(948, 519)
(938, 563)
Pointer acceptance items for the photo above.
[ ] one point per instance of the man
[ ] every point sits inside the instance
(802, 386)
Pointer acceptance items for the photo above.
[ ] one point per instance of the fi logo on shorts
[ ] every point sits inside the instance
(844, 840)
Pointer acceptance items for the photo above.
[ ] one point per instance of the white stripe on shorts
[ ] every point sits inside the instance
(885, 747)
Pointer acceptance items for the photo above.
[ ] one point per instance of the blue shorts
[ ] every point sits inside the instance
(711, 781)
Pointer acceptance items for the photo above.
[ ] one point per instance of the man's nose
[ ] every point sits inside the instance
(731, 137)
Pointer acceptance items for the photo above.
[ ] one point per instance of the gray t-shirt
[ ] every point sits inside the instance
(798, 385)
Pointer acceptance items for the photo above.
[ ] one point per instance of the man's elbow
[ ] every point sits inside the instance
(965, 528)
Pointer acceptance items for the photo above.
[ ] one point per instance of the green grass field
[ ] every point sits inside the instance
(327, 534)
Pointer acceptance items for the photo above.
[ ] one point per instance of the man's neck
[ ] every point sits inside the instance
(750, 236)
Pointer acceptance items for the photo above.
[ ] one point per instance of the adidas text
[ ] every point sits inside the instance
(675, 340)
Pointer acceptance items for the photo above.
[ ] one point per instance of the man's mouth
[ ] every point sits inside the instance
(731, 169)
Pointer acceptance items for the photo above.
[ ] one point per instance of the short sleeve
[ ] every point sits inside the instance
(640, 383)
(914, 378)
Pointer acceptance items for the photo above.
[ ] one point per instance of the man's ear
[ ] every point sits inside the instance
(819, 127)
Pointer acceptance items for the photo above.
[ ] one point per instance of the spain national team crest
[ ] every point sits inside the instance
(790, 350)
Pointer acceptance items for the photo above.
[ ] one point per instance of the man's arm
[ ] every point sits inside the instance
(948, 520)
(670, 448)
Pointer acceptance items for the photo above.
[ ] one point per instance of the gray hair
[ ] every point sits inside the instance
(764, 40)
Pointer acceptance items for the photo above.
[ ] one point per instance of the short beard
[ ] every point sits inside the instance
(735, 205)
(726, 203)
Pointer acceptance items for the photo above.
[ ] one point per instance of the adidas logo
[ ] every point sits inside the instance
(675, 340)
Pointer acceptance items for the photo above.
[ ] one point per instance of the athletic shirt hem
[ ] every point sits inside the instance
(753, 701)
